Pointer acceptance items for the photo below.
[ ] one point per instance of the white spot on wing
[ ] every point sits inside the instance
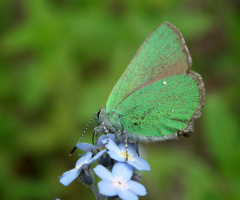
(164, 83)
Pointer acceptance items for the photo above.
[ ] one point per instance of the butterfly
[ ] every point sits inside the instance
(158, 97)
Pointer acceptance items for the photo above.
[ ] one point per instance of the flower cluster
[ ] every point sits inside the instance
(122, 181)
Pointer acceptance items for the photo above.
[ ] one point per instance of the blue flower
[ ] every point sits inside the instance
(118, 153)
(91, 148)
(84, 161)
(119, 182)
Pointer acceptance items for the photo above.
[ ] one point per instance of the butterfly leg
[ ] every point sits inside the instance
(93, 136)
(106, 131)
(126, 146)
(137, 148)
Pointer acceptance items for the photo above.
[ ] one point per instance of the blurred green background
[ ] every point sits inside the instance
(59, 60)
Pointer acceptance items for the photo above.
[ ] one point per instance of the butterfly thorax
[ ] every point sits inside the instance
(110, 121)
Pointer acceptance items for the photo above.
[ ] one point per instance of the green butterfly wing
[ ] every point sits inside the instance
(163, 108)
(163, 54)
(158, 96)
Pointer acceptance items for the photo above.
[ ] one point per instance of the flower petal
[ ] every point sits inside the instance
(111, 145)
(137, 188)
(122, 146)
(123, 170)
(69, 176)
(132, 163)
(99, 154)
(112, 136)
(131, 148)
(103, 173)
(103, 137)
(139, 163)
(116, 156)
(86, 147)
(127, 195)
(84, 159)
(106, 188)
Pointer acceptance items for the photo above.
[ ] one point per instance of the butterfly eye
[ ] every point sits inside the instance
(98, 114)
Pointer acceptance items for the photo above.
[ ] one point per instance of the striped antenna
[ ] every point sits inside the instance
(75, 147)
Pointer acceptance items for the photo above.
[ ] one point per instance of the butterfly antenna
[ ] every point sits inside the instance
(75, 147)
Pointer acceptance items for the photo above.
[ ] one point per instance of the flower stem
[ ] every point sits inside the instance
(96, 193)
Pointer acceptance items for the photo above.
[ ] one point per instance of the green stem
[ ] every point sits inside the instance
(96, 193)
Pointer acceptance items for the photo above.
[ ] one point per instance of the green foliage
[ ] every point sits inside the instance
(59, 61)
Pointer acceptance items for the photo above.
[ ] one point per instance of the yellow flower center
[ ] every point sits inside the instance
(102, 148)
(123, 154)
